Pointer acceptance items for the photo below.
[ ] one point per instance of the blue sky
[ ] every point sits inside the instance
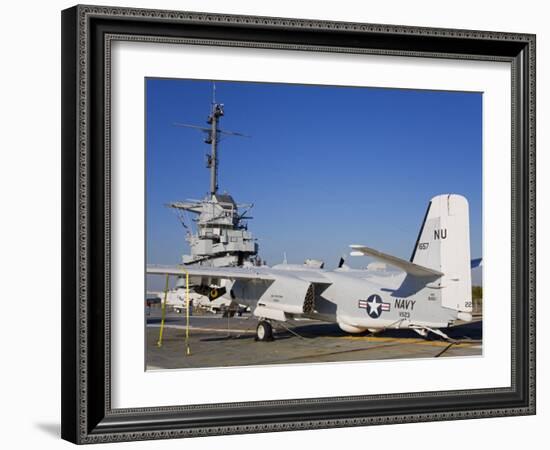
(325, 166)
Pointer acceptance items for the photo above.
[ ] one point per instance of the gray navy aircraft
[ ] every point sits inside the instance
(428, 293)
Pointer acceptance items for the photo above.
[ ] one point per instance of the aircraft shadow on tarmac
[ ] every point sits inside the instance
(233, 337)
(467, 331)
(158, 320)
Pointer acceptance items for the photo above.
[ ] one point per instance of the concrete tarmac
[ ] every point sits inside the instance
(220, 342)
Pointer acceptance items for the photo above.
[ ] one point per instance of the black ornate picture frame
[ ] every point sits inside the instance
(87, 34)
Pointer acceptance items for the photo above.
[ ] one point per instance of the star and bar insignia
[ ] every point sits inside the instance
(374, 306)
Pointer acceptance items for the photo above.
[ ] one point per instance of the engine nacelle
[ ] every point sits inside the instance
(350, 328)
(290, 295)
(212, 292)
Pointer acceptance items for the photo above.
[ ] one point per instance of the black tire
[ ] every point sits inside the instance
(264, 331)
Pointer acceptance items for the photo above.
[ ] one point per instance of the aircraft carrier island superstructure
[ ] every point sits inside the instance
(221, 238)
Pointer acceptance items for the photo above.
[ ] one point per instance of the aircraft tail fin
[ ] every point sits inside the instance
(443, 244)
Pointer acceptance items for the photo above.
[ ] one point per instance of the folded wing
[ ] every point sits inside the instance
(239, 273)
(229, 273)
(274, 294)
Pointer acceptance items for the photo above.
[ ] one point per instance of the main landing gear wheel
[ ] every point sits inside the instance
(264, 331)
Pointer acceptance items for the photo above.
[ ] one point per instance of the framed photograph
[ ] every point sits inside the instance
(267, 222)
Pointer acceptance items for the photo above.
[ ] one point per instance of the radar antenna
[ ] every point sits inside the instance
(213, 138)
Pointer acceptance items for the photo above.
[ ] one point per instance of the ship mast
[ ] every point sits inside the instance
(213, 138)
(217, 112)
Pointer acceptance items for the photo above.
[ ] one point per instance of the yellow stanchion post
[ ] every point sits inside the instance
(163, 311)
(187, 348)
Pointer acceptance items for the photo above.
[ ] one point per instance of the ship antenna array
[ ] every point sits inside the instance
(213, 134)
(180, 213)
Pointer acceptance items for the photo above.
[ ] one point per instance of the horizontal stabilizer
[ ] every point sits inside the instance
(409, 267)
